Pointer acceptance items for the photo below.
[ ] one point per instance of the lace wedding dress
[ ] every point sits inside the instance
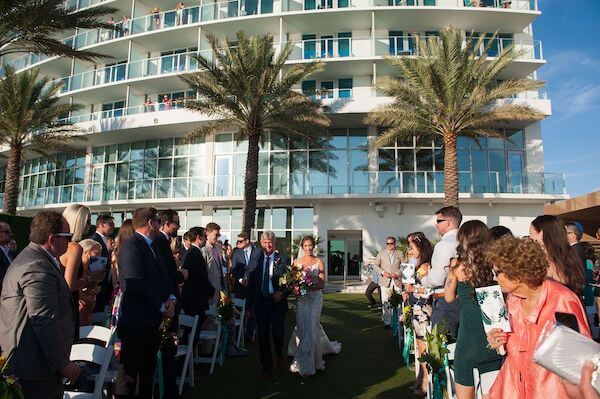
(309, 342)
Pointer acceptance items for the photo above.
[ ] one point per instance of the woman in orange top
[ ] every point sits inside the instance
(520, 267)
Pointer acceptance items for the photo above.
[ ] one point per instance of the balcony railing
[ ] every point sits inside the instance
(233, 9)
(128, 111)
(299, 184)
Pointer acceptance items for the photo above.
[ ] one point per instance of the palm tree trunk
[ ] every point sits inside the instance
(450, 170)
(250, 182)
(11, 186)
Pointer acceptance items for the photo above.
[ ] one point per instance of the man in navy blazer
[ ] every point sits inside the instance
(267, 301)
(244, 260)
(147, 300)
(105, 225)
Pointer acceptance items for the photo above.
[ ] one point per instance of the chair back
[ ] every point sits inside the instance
(94, 354)
(99, 333)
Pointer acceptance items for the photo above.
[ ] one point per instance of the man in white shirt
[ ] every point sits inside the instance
(387, 264)
(447, 315)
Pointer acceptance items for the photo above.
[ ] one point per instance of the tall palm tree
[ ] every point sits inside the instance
(247, 89)
(34, 25)
(29, 113)
(450, 90)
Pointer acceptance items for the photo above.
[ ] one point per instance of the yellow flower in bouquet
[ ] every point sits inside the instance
(225, 309)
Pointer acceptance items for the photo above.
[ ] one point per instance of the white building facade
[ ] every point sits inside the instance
(342, 188)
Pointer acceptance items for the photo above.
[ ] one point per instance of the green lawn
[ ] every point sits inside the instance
(369, 365)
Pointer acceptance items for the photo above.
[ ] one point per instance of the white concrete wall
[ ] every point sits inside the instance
(413, 217)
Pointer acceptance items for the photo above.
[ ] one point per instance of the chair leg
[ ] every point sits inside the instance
(215, 351)
(191, 373)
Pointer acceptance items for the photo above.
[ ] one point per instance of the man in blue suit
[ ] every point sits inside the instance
(148, 299)
(267, 301)
(244, 260)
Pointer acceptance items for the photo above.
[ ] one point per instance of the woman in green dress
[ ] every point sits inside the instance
(466, 273)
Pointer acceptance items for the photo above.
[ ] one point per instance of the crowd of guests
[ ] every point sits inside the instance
(141, 277)
(545, 277)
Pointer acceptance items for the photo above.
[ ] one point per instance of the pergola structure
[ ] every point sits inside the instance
(584, 209)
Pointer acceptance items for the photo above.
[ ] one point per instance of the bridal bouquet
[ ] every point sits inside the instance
(297, 280)
(225, 309)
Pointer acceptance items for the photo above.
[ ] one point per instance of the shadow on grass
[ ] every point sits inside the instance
(369, 365)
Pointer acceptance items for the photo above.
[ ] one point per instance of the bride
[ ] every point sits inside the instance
(309, 342)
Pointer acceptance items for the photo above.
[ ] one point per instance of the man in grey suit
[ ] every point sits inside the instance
(36, 316)
(387, 264)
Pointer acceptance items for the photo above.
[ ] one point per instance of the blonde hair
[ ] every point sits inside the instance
(88, 244)
(77, 216)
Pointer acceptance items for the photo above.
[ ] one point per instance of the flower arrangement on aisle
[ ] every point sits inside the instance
(165, 337)
(394, 301)
(225, 309)
(436, 358)
(296, 279)
(409, 332)
(9, 385)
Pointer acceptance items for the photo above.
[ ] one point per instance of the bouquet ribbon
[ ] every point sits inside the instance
(158, 375)
(395, 321)
(438, 387)
(224, 338)
(408, 343)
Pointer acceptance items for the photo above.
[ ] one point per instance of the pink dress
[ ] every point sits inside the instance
(519, 376)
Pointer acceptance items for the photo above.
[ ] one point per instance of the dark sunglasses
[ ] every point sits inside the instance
(441, 220)
(240, 241)
(390, 243)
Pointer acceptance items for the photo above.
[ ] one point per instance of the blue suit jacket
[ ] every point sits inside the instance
(254, 295)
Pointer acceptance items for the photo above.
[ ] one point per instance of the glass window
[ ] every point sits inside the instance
(387, 160)
(303, 218)
(223, 143)
(181, 149)
(514, 139)
(464, 162)
(338, 138)
(424, 160)
(137, 151)
(165, 167)
(151, 149)
(357, 138)
(406, 160)
(123, 152)
(497, 161)
(281, 218)
(165, 148)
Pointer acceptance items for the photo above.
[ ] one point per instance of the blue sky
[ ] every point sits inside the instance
(570, 34)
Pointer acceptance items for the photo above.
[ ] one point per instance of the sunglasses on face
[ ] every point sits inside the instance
(240, 241)
(390, 243)
(440, 221)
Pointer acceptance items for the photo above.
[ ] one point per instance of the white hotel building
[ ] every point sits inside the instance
(344, 189)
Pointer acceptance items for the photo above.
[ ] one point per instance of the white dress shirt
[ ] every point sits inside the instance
(444, 250)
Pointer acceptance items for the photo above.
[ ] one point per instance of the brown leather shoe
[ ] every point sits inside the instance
(265, 375)
(280, 362)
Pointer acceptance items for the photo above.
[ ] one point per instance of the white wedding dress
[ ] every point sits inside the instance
(309, 342)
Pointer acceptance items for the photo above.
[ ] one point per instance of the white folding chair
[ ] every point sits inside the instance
(187, 372)
(93, 354)
(483, 382)
(449, 371)
(213, 335)
(99, 333)
(240, 305)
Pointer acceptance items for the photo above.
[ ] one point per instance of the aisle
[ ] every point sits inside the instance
(368, 367)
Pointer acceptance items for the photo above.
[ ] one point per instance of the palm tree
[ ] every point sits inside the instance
(450, 90)
(29, 113)
(248, 91)
(32, 26)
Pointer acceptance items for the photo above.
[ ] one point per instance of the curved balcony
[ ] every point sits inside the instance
(300, 184)
(305, 50)
(226, 10)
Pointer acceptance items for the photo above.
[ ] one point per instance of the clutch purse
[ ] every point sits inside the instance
(563, 351)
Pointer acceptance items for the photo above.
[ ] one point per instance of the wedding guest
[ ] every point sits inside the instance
(185, 244)
(420, 251)
(196, 288)
(445, 315)
(6, 255)
(169, 225)
(36, 317)
(125, 233)
(372, 287)
(148, 298)
(87, 294)
(563, 265)
(105, 226)
(244, 259)
(500, 231)
(574, 234)
(214, 260)
(387, 264)
(520, 267)
(467, 272)
(79, 219)
(167, 103)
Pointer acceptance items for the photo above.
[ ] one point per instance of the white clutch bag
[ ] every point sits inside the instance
(564, 351)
